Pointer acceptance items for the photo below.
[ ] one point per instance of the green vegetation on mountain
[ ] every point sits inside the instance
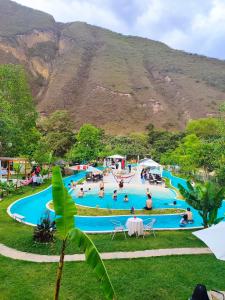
(119, 83)
(18, 19)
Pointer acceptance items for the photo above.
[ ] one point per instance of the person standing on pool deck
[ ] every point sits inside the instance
(114, 195)
(101, 185)
(129, 168)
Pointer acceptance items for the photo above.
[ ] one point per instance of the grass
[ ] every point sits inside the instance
(164, 278)
(169, 185)
(19, 236)
(87, 211)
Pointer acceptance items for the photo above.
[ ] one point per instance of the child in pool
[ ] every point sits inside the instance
(125, 198)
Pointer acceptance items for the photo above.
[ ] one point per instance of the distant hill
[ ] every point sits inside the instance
(121, 83)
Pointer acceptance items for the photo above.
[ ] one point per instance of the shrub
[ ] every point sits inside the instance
(44, 232)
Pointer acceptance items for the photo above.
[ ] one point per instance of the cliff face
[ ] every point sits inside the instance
(117, 82)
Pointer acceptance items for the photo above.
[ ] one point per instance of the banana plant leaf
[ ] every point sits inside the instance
(94, 260)
(65, 210)
(64, 205)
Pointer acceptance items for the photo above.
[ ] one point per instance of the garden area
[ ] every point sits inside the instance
(49, 207)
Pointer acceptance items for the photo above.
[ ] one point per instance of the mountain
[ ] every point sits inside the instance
(121, 83)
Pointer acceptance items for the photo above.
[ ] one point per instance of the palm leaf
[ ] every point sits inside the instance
(94, 261)
(64, 206)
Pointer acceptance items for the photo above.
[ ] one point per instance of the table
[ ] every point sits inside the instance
(135, 226)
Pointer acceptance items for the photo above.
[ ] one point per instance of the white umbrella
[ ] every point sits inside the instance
(214, 238)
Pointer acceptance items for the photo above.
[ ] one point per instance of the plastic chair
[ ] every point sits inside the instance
(118, 227)
(148, 226)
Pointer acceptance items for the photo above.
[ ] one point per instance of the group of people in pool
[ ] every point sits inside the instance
(187, 217)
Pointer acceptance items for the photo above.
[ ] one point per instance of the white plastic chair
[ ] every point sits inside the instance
(148, 226)
(118, 227)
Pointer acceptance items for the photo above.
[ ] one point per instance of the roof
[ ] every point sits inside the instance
(116, 156)
(149, 162)
(13, 158)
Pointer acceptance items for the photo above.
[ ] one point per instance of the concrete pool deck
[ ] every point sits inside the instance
(38, 258)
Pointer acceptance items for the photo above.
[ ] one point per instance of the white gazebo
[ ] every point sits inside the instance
(155, 168)
(112, 160)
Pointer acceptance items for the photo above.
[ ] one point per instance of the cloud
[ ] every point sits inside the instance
(194, 26)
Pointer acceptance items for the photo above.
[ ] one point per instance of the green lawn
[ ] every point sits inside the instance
(171, 278)
(19, 236)
(164, 278)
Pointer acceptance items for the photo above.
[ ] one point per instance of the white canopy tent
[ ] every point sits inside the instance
(154, 167)
(214, 238)
(93, 170)
(116, 156)
(112, 160)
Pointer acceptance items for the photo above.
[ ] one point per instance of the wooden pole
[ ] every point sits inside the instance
(25, 169)
(8, 174)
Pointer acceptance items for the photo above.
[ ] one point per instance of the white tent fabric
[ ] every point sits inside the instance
(149, 163)
(116, 156)
(155, 168)
(214, 238)
(93, 170)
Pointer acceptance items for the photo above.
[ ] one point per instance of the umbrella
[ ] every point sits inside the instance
(214, 238)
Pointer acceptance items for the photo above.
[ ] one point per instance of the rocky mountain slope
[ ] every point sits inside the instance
(120, 83)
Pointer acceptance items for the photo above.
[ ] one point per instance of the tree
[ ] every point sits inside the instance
(186, 155)
(57, 132)
(206, 198)
(131, 145)
(161, 141)
(88, 144)
(204, 128)
(65, 210)
(18, 134)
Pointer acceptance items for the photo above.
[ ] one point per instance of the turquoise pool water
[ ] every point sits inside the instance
(137, 199)
(33, 207)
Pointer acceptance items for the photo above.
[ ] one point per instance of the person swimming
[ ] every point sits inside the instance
(126, 198)
(114, 196)
(101, 192)
(184, 221)
(149, 203)
(148, 192)
(80, 193)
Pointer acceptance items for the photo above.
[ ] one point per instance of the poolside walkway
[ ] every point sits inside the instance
(16, 254)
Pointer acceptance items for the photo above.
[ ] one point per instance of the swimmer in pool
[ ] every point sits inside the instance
(114, 196)
(125, 198)
(101, 192)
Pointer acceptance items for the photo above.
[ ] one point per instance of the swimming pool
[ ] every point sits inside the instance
(162, 198)
(33, 207)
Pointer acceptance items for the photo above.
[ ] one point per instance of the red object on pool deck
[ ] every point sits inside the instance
(79, 167)
(123, 164)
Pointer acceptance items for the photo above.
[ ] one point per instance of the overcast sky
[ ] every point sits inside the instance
(196, 26)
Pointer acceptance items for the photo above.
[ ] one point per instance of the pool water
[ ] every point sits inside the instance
(161, 199)
(33, 207)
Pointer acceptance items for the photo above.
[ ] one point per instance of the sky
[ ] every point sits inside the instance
(196, 26)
